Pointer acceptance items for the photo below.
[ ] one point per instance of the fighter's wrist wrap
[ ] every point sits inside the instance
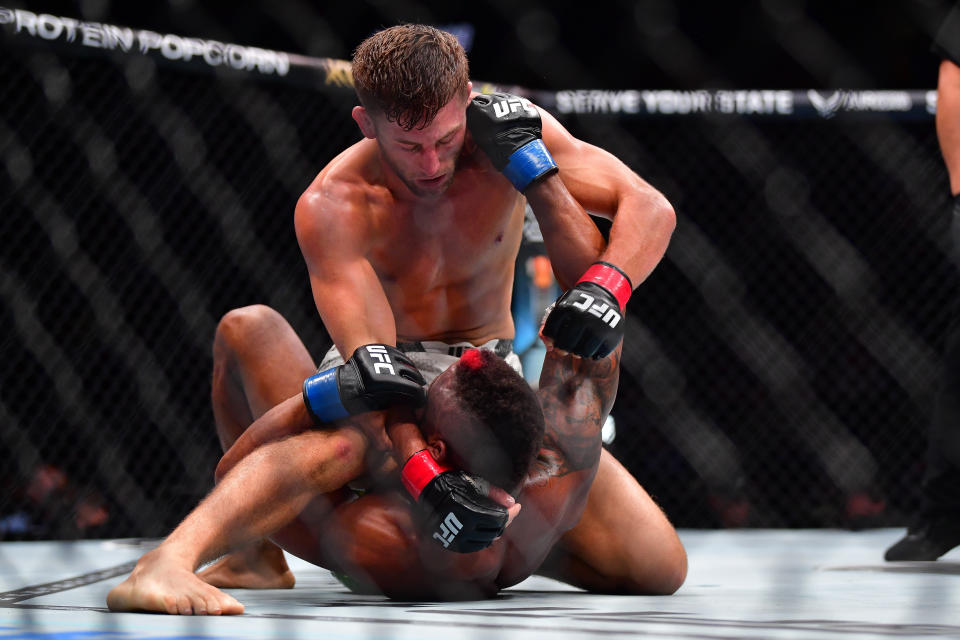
(321, 395)
(453, 507)
(418, 471)
(530, 162)
(611, 278)
(375, 377)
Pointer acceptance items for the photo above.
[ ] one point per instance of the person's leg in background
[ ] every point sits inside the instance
(937, 528)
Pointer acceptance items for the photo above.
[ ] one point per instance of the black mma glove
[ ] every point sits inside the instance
(453, 505)
(508, 129)
(377, 376)
(587, 320)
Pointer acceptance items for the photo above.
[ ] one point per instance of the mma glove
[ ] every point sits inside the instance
(377, 376)
(587, 320)
(453, 506)
(508, 129)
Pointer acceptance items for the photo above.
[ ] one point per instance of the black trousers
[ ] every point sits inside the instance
(941, 484)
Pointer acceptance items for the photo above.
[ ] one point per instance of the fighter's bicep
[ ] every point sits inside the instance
(596, 178)
(331, 225)
(335, 239)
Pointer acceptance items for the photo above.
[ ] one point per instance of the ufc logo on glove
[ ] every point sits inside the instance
(449, 529)
(504, 108)
(379, 353)
(602, 311)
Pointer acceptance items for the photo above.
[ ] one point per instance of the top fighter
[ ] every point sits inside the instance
(411, 234)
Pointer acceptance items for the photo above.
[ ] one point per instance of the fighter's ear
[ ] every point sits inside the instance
(437, 448)
(364, 121)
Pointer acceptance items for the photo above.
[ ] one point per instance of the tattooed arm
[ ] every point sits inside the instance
(576, 395)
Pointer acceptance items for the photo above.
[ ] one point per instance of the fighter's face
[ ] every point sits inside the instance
(442, 402)
(425, 159)
(444, 417)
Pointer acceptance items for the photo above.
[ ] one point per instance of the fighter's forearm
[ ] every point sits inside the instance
(288, 418)
(576, 395)
(356, 318)
(405, 435)
(948, 120)
(265, 491)
(571, 237)
(642, 225)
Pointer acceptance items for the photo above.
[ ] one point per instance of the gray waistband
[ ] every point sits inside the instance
(502, 347)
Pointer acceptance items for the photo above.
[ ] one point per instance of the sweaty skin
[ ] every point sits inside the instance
(413, 235)
(288, 489)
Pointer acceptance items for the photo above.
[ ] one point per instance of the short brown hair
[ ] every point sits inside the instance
(409, 72)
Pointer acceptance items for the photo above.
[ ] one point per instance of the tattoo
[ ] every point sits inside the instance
(576, 395)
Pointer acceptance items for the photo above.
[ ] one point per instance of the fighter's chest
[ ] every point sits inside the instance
(454, 237)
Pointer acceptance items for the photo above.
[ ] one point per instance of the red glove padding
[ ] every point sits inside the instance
(453, 505)
(587, 320)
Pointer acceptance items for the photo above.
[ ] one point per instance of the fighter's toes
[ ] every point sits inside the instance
(216, 603)
(228, 606)
(184, 606)
(169, 604)
(200, 608)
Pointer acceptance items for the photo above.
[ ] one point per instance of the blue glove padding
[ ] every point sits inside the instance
(377, 376)
(508, 129)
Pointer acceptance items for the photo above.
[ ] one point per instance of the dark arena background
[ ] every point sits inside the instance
(780, 364)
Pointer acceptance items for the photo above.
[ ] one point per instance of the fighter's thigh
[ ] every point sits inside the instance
(623, 541)
(259, 347)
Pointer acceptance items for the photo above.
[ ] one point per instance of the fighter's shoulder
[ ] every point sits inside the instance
(343, 190)
(555, 135)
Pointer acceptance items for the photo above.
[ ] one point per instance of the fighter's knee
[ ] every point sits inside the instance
(659, 570)
(664, 574)
(673, 572)
(240, 322)
(238, 326)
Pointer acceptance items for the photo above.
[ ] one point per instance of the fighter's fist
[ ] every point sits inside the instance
(587, 320)
(375, 377)
(508, 129)
(454, 506)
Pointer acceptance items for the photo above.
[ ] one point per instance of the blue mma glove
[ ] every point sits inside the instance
(377, 376)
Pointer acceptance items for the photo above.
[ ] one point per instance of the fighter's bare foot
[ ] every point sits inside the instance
(157, 584)
(261, 566)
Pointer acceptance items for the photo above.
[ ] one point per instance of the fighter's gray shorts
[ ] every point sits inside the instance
(433, 358)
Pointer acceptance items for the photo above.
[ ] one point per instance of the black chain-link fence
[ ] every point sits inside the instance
(782, 362)
(779, 365)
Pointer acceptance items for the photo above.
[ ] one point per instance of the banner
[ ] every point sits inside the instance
(21, 25)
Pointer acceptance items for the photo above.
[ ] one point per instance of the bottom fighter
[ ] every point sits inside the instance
(480, 416)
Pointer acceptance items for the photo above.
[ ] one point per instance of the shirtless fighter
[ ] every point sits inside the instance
(411, 234)
(410, 237)
(480, 416)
